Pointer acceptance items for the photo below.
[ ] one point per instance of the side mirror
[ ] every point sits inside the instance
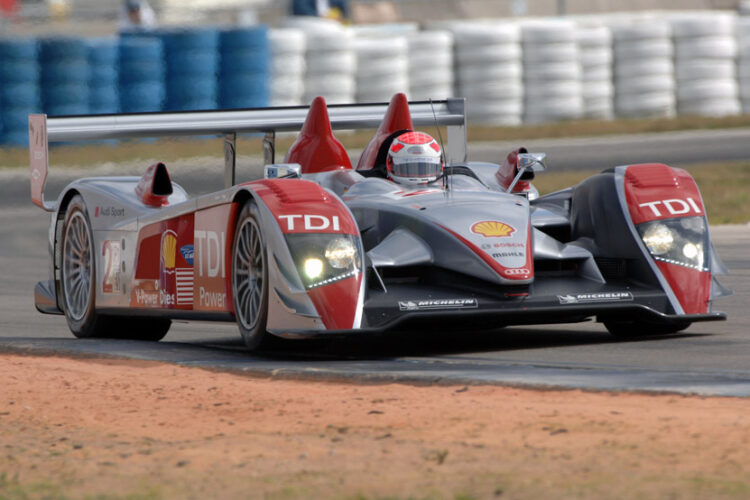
(533, 161)
(527, 162)
(282, 171)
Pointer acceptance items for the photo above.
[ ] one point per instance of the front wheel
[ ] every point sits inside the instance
(635, 328)
(250, 279)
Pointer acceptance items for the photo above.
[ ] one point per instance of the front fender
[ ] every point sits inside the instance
(291, 207)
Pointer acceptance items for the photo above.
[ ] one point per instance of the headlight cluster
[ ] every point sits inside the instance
(325, 258)
(682, 241)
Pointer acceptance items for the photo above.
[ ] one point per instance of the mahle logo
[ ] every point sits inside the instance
(492, 228)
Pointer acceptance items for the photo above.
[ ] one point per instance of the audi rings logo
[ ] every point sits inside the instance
(519, 271)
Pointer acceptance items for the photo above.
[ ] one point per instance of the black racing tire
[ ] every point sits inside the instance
(634, 328)
(78, 272)
(250, 279)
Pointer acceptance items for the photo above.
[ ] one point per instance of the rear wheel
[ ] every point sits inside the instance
(79, 286)
(78, 273)
(250, 279)
(635, 328)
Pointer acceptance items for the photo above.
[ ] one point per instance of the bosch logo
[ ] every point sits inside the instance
(674, 206)
(520, 271)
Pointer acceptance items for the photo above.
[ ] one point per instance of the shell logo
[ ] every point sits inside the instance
(168, 249)
(492, 228)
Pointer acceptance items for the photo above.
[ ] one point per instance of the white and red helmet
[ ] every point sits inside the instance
(414, 158)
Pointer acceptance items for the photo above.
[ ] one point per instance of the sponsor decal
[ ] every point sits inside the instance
(498, 255)
(147, 298)
(36, 174)
(492, 229)
(508, 245)
(184, 279)
(674, 206)
(109, 212)
(583, 298)
(167, 271)
(188, 252)
(212, 239)
(436, 304)
(311, 222)
(418, 192)
(111, 253)
(211, 252)
(212, 300)
(154, 298)
(518, 271)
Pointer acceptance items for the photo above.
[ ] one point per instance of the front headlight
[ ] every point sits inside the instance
(340, 253)
(682, 241)
(322, 259)
(658, 238)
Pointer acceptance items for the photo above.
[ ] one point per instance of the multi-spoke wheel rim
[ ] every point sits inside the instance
(77, 266)
(248, 274)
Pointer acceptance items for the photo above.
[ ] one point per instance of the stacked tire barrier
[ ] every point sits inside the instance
(382, 67)
(743, 67)
(104, 95)
(65, 76)
(705, 65)
(141, 75)
(192, 62)
(244, 68)
(287, 67)
(552, 72)
(595, 44)
(533, 71)
(430, 64)
(331, 61)
(644, 71)
(489, 72)
(19, 88)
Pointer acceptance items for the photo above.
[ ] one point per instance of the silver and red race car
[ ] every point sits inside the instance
(319, 248)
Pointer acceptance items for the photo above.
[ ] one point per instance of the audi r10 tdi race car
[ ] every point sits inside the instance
(414, 236)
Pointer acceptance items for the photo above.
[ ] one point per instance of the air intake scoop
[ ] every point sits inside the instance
(155, 186)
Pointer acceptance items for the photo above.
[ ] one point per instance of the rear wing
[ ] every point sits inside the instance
(449, 113)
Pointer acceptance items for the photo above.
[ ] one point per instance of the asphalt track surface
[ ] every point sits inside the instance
(708, 358)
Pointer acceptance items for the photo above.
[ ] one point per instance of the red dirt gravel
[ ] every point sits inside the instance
(72, 428)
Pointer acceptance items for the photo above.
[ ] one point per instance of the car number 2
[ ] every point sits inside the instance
(111, 254)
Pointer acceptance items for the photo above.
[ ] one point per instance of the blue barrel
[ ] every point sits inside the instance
(142, 73)
(244, 68)
(192, 65)
(20, 93)
(142, 97)
(104, 63)
(65, 75)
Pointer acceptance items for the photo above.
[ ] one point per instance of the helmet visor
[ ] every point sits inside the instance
(417, 167)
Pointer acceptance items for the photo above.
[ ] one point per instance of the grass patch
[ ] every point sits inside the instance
(13, 489)
(725, 188)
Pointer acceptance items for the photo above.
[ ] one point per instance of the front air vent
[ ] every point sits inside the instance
(612, 268)
(555, 268)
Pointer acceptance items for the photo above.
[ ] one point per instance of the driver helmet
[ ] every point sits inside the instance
(414, 158)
